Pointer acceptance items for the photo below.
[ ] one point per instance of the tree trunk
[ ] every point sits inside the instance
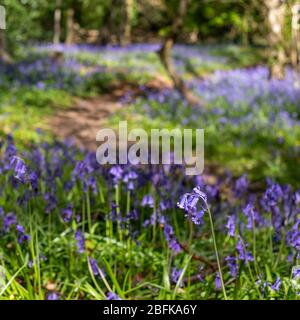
(295, 52)
(276, 19)
(57, 23)
(126, 39)
(4, 56)
(70, 27)
(165, 54)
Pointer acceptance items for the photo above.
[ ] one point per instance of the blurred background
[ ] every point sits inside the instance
(230, 67)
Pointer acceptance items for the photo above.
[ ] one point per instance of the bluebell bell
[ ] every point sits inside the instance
(20, 170)
(218, 283)
(231, 225)
(198, 217)
(80, 241)
(241, 248)
(22, 236)
(273, 195)
(112, 296)
(277, 284)
(296, 272)
(94, 266)
(251, 215)
(52, 296)
(147, 201)
(9, 220)
(68, 213)
(241, 186)
(232, 264)
(175, 275)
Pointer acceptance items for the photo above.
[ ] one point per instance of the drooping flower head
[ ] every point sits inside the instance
(175, 275)
(231, 225)
(22, 236)
(20, 170)
(189, 202)
(80, 241)
(277, 284)
(232, 264)
(148, 201)
(241, 248)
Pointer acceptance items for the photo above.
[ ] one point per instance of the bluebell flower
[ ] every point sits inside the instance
(68, 213)
(189, 202)
(218, 283)
(273, 195)
(277, 284)
(117, 172)
(94, 266)
(171, 239)
(148, 201)
(232, 264)
(52, 296)
(33, 178)
(241, 186)
(112, 296)
(20, 170)
(296, 272)
(198, 217)
(9, 220)
(244, 255)
(175, 275)
(251, 215)
(22, 236)
(80, 241)
(231, 225)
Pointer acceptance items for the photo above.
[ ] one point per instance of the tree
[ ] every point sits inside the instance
(57, 22)
(126, 39)
(4, 56)
(166, 49)
(295, 27)
(276, 21)
(70, 36)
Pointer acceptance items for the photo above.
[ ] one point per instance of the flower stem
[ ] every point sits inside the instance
(216, 250)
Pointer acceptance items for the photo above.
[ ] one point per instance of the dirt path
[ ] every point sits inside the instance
(83, 120)
(86, 117)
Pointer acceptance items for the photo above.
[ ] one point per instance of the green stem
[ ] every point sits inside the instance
(216, 250)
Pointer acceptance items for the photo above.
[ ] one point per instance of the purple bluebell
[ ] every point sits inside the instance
(273, 195)
(67, 213)
(9, 220)
(80, 241)
(94, 266)
(116, 172)
(33, 178)
(251, 214)
(52, 296)
(218, 284)
(147, 201)
(22, 236)
(20, 170)
(171, 239)
(296, 272)
(175, 275)
(241, 186)
(112, 296)
(277, 284)
(231, 225)
(233, 266)
(241, 248)
(198, 217)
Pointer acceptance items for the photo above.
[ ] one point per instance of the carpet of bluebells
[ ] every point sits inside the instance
(72, 229)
